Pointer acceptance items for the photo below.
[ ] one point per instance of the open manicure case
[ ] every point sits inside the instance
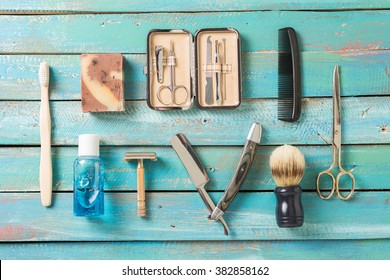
(180, 69)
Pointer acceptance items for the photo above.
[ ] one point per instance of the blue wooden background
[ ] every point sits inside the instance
(353, 34)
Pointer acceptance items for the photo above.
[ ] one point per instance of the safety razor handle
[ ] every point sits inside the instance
(141, 192)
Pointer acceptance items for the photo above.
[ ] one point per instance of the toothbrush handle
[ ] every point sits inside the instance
(45, 173)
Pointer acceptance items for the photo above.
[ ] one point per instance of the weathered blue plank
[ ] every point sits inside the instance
(370, 163)
(26, 6)
(210, 250)
(126, 33)
(362, 73)
(183, 216)
(365, 121)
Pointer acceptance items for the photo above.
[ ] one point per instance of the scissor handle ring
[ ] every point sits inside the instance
(327, 172)
(174, 98)
(159, 95)
(349, 195)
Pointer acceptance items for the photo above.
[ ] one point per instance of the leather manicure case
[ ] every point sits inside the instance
(182, 70)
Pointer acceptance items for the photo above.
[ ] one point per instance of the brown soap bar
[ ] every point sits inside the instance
(102, 82)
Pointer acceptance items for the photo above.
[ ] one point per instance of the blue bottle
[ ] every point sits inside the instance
(88, 178)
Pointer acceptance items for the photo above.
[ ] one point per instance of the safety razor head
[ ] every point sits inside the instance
(140, 155)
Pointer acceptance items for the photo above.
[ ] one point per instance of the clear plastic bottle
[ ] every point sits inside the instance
(88, 178)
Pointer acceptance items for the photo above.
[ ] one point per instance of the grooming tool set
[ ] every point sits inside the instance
(182, 70)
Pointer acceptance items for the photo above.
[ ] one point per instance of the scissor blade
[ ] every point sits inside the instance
(336, 108)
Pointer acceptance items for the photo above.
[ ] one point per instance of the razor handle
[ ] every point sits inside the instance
(244, 165)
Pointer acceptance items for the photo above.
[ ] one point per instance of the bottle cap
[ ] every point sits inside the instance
(89, 145)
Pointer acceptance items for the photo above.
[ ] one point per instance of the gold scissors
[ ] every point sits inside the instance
(172, 90)
(336, 145)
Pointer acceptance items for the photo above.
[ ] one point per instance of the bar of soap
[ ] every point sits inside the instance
(102, 83)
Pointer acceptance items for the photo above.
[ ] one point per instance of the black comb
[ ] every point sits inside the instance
(289, 76)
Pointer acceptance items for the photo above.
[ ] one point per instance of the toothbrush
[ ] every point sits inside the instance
(45, 172)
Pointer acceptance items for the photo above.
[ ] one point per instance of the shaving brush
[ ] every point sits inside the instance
(287, 167)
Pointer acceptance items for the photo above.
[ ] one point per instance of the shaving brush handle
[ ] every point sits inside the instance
(289, 210)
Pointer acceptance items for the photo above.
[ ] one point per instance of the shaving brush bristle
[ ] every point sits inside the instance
(287, 166)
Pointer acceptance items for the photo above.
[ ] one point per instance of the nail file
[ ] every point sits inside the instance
(209, 75)
(217, 74)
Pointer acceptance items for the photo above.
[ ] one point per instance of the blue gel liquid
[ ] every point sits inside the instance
(88, 186)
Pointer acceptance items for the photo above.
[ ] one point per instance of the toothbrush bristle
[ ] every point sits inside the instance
(44, 74)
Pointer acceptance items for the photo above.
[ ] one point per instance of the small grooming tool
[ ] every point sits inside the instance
(289, 76)
(209, 75)
(173, 91)
(244, 165)
(287, 165)
(45, 173)
(224, 63)
(196, 171)
(140, 157)
(217, 74)
(159, 52)
(336, 151)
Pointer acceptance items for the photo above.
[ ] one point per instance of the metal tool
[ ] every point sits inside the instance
(209, 75)
(224, 63)
(196, 171)
(159, 53)
(140, 157)
(243, 167)
(172, 90)
(217, 74)
(336, 145)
